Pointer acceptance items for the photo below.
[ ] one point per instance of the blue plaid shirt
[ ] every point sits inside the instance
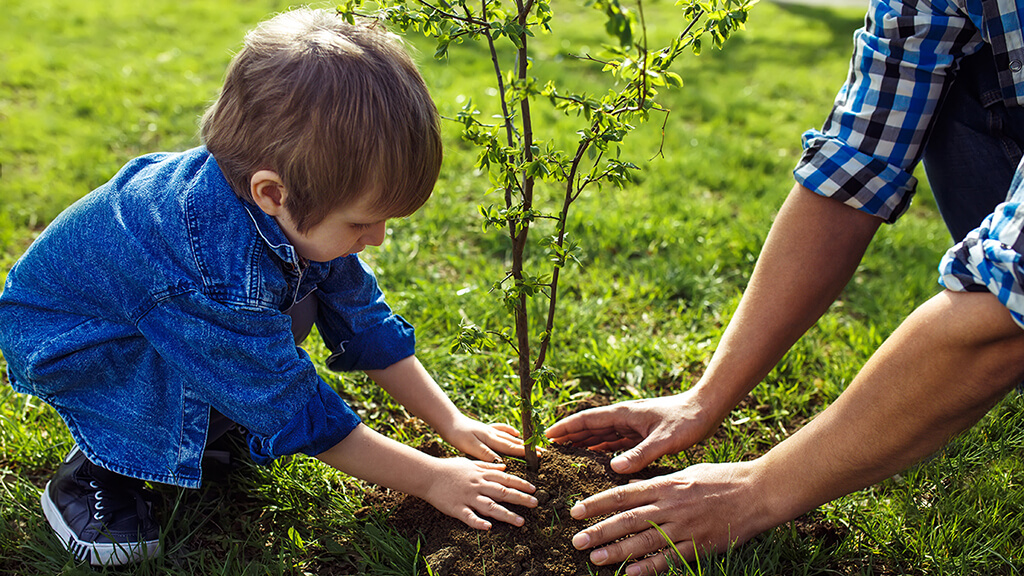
(989, 258)
(869, 145)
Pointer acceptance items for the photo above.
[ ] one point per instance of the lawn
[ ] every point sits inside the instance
(87, 85)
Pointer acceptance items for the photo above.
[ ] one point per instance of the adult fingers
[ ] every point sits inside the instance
(612, 443)
(639, 545)
(658, 563)
(641, 455)
(583, 423)
(633, 522)
(590, 438)
(614, 500)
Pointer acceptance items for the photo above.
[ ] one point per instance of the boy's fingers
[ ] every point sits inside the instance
(508, 481)
(468, 516)
(489, 455)
(492, 509)
(506, 429)
(510, 495)
(489, 465)
(507, 443)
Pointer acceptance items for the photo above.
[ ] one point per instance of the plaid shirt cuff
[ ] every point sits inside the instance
(989, 258)
(837, 170)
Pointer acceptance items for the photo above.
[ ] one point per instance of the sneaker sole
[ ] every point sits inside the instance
(97, 554)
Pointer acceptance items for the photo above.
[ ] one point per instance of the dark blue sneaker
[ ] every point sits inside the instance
(102, 517)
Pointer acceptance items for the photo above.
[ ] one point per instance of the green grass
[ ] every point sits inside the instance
(87, 85)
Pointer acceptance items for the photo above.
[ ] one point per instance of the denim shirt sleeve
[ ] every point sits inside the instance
(989, 258)
(356, 323)
(865, 153)
(245, 364)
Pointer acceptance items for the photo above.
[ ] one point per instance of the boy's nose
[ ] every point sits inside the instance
(375, 235)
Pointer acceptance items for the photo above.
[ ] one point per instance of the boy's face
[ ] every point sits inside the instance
(344, 231)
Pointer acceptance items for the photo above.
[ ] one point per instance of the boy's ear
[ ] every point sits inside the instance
(268, 191)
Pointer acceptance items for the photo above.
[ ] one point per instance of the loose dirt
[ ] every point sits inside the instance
(541, 547)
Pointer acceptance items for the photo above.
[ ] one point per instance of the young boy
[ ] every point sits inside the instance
(174, 296)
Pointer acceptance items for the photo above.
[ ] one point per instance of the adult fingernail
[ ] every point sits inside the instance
(581, 540)
(578, 511)
(633, 570)
(599, 556)
(619, 464)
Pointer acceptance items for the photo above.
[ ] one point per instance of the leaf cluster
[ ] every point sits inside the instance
(519, 161)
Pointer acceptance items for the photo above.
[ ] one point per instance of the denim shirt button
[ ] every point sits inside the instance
(1015, 66)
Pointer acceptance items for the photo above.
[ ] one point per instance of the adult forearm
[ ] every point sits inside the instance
(937, 375)
(811, 252)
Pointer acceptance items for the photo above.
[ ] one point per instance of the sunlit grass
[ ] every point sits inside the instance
(87, 85)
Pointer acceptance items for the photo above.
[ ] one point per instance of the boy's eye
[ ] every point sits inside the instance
(362, 226)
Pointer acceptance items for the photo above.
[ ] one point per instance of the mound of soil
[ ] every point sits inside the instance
(541, 547)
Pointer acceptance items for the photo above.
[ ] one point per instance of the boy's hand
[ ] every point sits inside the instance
(468, 490)
(483, 441)
(458, 487)
(411, 386)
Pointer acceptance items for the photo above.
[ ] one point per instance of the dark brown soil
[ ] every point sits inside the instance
(541, 547)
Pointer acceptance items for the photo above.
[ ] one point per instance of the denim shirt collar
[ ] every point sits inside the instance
(271, 233)
(302, 275)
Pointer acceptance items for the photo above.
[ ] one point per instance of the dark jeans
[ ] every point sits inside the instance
(974, 147)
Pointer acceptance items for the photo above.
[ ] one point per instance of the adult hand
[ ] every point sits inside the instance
(851, 444)
(469, 490)
(646, 429)
(483, 441)
(703, 509)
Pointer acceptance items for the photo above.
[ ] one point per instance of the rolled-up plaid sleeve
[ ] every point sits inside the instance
(989, 258)
(867, 149)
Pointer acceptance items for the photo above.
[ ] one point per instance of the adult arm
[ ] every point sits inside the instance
(811, 252)
(938, 374)
(864, 156)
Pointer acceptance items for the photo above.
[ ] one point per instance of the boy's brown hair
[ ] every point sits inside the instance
(336, 109)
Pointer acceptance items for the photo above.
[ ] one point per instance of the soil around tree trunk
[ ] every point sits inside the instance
(541, 547)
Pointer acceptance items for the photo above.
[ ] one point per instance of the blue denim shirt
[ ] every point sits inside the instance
(159, 296)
